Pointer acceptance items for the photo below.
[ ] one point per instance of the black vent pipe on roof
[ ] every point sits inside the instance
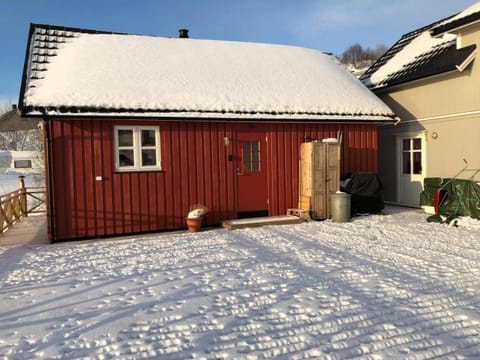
(183, 33)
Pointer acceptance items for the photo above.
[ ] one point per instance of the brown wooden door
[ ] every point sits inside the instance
(252, 194)
(320, 175)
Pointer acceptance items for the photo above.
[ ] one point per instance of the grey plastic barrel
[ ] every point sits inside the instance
(340, 206)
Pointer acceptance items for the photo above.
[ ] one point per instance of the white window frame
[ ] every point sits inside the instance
(137, 149)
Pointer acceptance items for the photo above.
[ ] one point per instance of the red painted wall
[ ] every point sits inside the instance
(195, 170)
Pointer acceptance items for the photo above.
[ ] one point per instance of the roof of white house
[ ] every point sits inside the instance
(428, 51)
(467, 16)
(73, 71)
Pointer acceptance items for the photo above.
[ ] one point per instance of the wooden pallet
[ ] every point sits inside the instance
(300, 213)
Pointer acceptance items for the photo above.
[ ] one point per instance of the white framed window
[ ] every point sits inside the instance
(137, 148)
(22, 164)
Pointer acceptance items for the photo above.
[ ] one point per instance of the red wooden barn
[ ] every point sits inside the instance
(139, 128)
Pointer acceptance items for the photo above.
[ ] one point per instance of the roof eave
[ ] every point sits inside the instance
(467, 61)
(456, 25)
(26, 66)
(212, 116)
(390, 87)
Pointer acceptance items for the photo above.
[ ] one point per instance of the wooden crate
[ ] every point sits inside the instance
(319, 175)
(302, 214)
(305, 202)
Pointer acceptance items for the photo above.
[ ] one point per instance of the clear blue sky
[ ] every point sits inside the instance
(327, 25)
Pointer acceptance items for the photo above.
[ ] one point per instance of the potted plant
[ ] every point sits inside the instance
(195, 216)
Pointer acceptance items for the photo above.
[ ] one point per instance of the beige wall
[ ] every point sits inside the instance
(448, 105)
(441, 95)
(445, 153)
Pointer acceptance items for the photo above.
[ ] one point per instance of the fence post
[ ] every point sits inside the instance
(1, 217)
(9, 211)
(23, 197)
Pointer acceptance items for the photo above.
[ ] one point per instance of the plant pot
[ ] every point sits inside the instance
(194, 224)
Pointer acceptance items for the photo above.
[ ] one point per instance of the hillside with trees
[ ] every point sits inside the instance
(357, 58)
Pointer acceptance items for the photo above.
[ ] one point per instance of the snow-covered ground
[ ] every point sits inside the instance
(386, 286)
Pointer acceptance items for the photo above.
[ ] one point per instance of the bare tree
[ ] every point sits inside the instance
(18, 140)
(5, 107)
(21, 140)
(358, 56)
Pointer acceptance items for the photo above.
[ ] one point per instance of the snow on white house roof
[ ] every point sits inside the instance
(422, 53)
(467, 16)
(71, 71)
(422, 44)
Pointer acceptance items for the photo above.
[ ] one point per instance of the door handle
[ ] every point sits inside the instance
(238, 172)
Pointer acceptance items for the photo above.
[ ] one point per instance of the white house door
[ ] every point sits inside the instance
(411, 152)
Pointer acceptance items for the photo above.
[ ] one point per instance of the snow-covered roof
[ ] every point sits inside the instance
(71, 71)
(421, 53)
(469, 15)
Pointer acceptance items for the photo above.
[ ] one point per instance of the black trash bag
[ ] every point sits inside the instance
(366, 190)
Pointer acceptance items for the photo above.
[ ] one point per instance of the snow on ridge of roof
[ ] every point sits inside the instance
(471, 10)
(119, 71)
(422, 44)
(468, 11)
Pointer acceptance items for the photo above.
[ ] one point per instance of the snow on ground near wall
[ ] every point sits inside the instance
(389, 286)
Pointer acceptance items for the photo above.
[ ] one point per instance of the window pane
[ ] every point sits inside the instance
(417, 144)
(417, 162)
(406, 144)
(148, 137)
(126, 157)
(22, 164)
(149, 157)
(406, 163)
(255, 156)
(125, 137)
(247, 166)
(246, 151)
(255, 152)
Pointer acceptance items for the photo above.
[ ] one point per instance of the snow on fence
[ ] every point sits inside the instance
(20, 203)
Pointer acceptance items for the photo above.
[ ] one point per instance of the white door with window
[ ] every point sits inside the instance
(411, 169)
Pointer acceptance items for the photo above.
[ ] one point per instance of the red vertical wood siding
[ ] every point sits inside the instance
(359, 154)
(195, 169)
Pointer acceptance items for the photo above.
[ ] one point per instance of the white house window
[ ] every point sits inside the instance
(412, 156)
(22, 164)
(137, 148)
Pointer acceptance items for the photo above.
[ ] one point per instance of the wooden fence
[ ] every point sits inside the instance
(20, 203)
